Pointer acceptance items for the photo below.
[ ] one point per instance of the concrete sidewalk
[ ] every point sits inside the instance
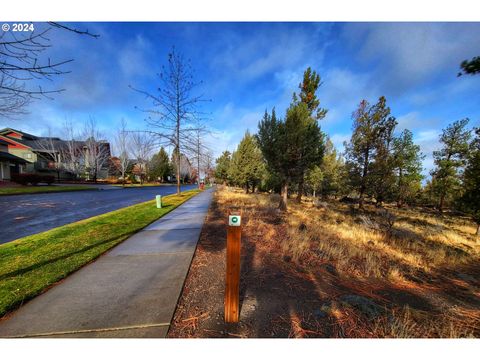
(132, 291)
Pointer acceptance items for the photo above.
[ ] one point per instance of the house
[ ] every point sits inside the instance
(9, 163)
(66, 159)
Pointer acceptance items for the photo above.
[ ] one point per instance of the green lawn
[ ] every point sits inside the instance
(147, 184)
(30, 264)
(13, 190)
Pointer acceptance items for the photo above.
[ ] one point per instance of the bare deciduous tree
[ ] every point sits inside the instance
(72, 154)
(175, 114)
(141, 146)
(122, 143)
(48, 147)
(97, 151)
(197, 149)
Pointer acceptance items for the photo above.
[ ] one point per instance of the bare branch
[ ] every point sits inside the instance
(81, 32)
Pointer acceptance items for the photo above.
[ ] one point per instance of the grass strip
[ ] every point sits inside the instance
(31, 264)
(41, 189)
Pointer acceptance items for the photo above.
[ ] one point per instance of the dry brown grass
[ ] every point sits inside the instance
(432, 258)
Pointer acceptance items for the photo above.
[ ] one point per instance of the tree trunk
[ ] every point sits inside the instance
(246, 188)
(442, 202)
(178, 149)
(363, 186)
(478, 229)
(284, 197)
(300, 191)
(360, 199)
(313, 192)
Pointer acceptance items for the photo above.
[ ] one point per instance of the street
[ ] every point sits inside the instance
(23, 215)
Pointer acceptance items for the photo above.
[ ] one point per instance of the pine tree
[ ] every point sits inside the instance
(407, 163)
(223, 166)
(470, 67)
(308, 89)
(449, 160)
(159, 167)
(470, 201)
(372, 127)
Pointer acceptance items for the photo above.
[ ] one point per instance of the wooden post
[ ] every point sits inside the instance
(232, 281)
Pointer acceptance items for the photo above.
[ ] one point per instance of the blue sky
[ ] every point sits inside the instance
(249, 67)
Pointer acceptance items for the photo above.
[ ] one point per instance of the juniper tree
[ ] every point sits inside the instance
(290, 147)
(223, 166)
(470, 200)
(382, 174)
(407, 164)
(247, 163)
(272, 143)
(327, 177)
(314, 179)
(449, 160)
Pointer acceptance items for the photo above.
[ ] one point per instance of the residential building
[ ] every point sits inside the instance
(9, 163)
(67, 159)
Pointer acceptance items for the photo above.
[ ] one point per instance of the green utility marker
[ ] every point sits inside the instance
(159, 201)
(234, 220)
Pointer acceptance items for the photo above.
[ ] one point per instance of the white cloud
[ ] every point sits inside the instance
(406, 54)
(341, 92)
(273, 50)
(132, 58)
(414, 121)
(231, 123)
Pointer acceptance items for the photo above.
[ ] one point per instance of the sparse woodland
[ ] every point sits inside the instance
(358, 244)
(381, 165)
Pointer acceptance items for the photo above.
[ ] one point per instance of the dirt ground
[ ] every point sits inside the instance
(308, 297)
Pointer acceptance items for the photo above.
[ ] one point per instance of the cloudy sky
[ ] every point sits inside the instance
(249, 67)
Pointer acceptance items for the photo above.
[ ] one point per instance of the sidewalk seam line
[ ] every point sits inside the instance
(145, 326)
(153, 254)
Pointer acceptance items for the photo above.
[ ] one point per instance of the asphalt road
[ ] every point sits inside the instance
(22, 215)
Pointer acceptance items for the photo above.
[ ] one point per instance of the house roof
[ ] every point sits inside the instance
(12, 158)
(42, 143)
(24, 134)
(12, 141)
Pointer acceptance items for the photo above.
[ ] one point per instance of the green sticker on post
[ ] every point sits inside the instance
(234, 220)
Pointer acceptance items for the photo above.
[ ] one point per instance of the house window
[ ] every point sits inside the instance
(27, 155)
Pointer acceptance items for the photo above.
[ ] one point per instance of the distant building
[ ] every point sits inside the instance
(21, 152)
